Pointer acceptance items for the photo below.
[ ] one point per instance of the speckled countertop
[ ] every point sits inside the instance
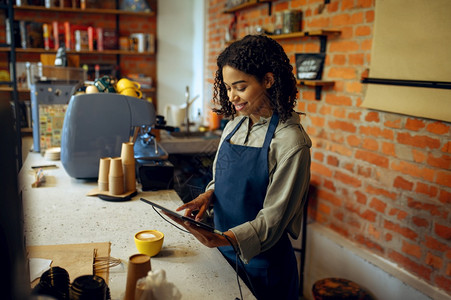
(61, 213)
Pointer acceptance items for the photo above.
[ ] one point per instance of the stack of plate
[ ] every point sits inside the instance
(53, 153)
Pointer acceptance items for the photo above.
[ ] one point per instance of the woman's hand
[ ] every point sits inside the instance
(206, 237)
(200, 204)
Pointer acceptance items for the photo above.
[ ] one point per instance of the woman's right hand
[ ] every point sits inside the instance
(200, 204)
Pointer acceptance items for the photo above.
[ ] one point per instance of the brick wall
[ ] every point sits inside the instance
(383, 180)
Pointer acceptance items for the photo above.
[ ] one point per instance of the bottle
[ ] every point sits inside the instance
(61, 58)
(97, 71)
(198, 119)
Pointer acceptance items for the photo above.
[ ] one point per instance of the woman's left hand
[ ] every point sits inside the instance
(206, 237)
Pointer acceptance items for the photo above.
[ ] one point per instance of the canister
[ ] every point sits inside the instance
(292, 21)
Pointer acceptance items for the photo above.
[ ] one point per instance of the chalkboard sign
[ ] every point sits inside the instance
(309, 65)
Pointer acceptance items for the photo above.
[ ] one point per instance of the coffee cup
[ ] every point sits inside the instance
(138, 267)
(116, 176)
(149, 242)
(132, 92)
(104, 170)
(125, 83)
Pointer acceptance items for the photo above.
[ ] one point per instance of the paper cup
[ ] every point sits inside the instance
(127, 153)
(116, 167)
(128, 166)
(103, 186)
(129, 178)
(138, 267)
(116, 185)
(104, 170)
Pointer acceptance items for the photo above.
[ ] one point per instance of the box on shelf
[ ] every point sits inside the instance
(110, 39)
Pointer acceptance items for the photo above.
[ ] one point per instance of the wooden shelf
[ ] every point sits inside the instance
(248, 4)
(23, 90)
(104, 52)
(317, 84)
(10, 89)
(84, 11)
(300, 34)
(318, 32)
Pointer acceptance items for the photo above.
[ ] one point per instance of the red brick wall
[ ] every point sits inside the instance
(383, 180)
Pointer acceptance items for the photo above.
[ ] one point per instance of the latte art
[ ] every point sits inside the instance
(149, 236)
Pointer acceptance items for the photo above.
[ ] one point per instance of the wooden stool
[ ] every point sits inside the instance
(338, 289)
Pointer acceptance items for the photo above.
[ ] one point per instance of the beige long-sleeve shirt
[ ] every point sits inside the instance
(289, 177)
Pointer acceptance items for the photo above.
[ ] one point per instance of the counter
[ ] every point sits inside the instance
(61, 213)
(193, 144)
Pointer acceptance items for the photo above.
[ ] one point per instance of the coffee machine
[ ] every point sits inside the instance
(96, 125)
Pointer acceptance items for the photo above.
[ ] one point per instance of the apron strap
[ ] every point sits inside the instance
(269, 134)
(229, 136)
(271, 129)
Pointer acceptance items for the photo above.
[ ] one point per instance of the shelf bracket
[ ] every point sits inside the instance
(323, 43)
(318, 90)
(269, 9)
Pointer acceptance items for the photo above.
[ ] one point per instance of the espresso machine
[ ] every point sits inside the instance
(96, 125)
(154, 170)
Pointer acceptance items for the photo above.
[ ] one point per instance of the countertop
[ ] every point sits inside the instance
(206, 143)
(60, 213)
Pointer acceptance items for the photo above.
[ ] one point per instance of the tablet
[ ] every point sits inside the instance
(182, 217)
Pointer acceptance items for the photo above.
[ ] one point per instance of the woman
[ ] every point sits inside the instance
(261, 171)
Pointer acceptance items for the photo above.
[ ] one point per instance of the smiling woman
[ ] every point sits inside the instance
(269, 66)
(248, 95)
(261, 171)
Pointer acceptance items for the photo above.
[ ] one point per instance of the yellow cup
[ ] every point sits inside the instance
(125, 83)
(149, 242)
(132, 92)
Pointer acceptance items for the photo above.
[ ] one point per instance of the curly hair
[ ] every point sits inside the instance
(257, 55)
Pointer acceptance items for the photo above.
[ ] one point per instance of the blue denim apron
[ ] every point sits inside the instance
(241, 180)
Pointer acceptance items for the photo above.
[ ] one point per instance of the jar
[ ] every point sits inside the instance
(90, 287)
(292, 21)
